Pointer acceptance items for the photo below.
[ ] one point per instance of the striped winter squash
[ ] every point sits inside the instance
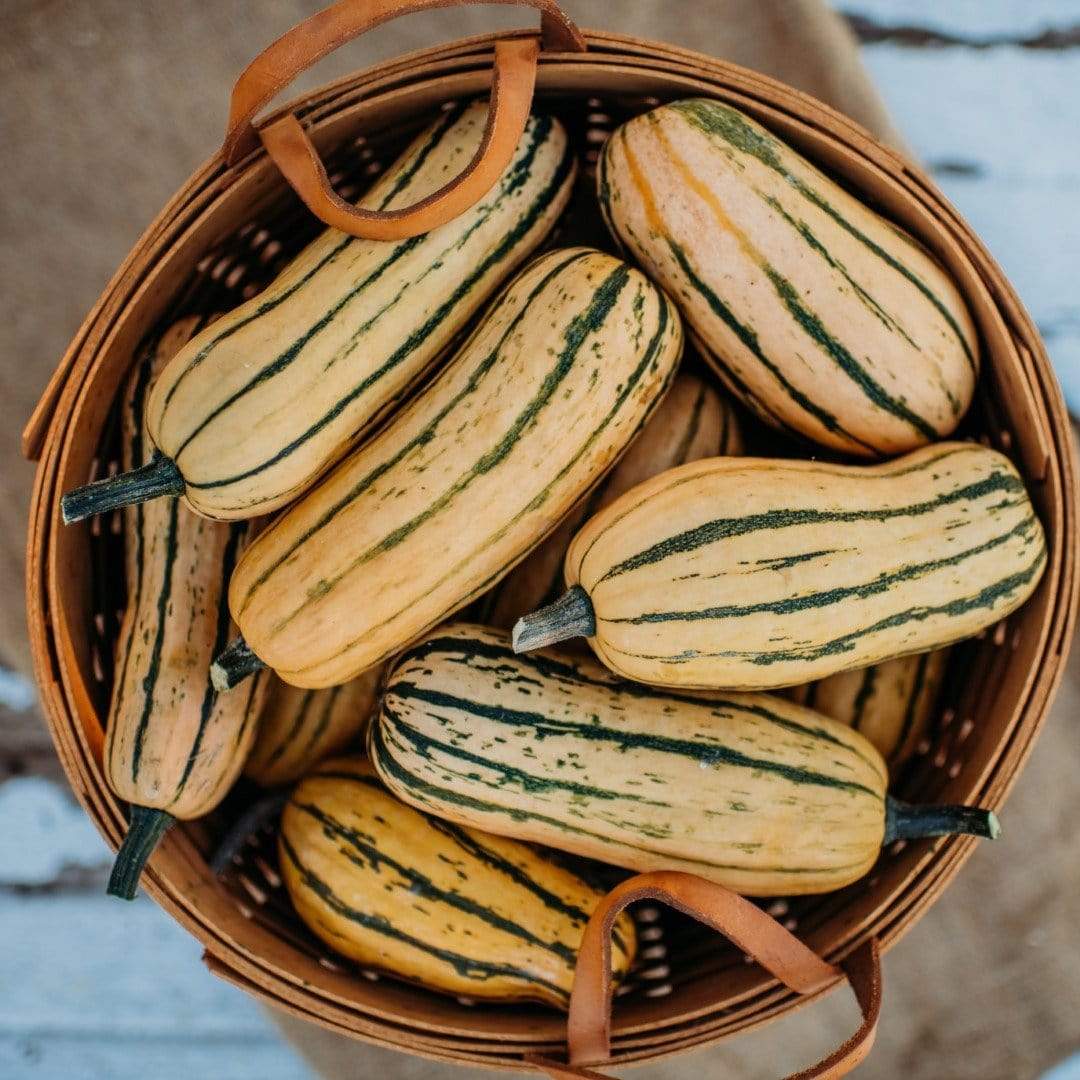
(749, 573)
(298, 728)
(451, 908)
(890, 703)
(173, 746)
(260, 404)
(550, 388)
(692, 422)
(749, 790)
(826, 319)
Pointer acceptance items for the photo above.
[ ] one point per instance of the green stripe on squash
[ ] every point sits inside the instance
(752, 791)
(228, 421)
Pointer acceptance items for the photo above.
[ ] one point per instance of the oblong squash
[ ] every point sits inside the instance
(173, 745)
(693, 421)
(298, 728)
(260, 404)
(891, 703)
(826, 319)
(749, 790)
(748, 573)
(453, 909)
(549, 389)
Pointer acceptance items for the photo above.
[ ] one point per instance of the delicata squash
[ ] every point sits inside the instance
(173, 745)
(693, 421)
(298, 728)
(891, 703)
(451, 908)
(751, 574)
(553, 384)
(748, 790)
(258, 405)
(824, 318)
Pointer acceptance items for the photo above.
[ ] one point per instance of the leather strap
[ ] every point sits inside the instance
(511, 97)
(746, 926)
(288, 144)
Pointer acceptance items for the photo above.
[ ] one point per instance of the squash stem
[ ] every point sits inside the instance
(571, 616)
(146, 827)
(233, 665)
(906, 822)
(258, 816)
(160, 476)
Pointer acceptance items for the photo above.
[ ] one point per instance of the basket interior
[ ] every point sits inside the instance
(685, 969)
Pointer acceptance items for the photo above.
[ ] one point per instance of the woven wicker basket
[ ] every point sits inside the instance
(223, 236)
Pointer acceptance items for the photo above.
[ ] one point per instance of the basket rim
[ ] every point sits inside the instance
(63, 404)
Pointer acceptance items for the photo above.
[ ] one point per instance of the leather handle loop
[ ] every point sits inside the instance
(749, 928)
(511, 97)
(288, 144)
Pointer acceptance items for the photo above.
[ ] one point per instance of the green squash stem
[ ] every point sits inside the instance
(906, 822)
(233, 665)
(160, 476)
(571, 616)
(145, 830)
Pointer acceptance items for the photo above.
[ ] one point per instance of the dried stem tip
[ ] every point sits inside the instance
(234, 664)
(906, 822)
(158, 477)
(571, 616)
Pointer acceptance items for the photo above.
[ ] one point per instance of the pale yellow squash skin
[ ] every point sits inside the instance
(693, 421)
(891, 703)
(298, 728)
(371, 857)
(471, 475)
(822, 316)
(552, 748)
(351, 325)
(176, 746)
(749, 573)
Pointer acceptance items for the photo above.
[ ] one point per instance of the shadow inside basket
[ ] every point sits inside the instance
(674, 950)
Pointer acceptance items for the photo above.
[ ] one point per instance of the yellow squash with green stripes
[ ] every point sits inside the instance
(173, 746)
(547, 392)
(298, 728)
(450, 908)
(891, 703)
(692, 422)
(752, 791)
(752, 574)
(824, 317)
(257, 406)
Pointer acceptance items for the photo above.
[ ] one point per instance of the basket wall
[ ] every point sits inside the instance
(223, 236)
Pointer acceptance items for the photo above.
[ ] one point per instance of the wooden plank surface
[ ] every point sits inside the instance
(91, 987)
(966, 20)
(999, 128)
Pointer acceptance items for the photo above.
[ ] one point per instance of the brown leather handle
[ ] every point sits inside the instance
(748, 927)
(288, 144)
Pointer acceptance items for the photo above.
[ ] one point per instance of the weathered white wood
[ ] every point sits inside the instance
(16, 691)
(93, 987)
(1012, 111)
(1000, 127)
(1067, 1070)
(969, 18)
(44, 832)
(64, 1057)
